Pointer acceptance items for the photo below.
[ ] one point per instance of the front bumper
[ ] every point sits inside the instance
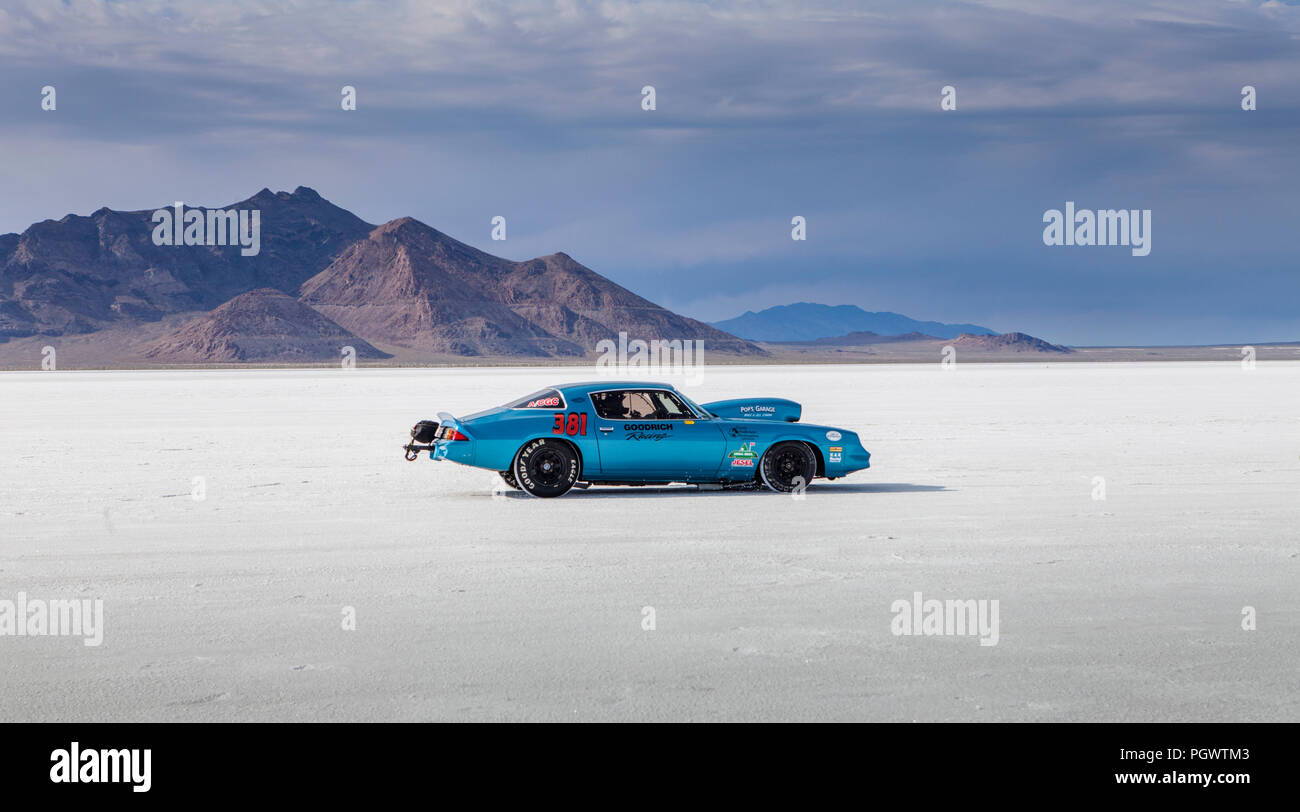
(853, 458)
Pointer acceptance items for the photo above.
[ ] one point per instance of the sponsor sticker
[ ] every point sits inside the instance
(833, 435)
(742, 463)
(543, 402)
(653, 432)
(745, 452)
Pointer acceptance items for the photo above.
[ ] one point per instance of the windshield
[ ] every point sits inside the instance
(699, 410)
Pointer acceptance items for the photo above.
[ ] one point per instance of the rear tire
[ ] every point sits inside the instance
(788, 466)
(509, 477)
(545, 468)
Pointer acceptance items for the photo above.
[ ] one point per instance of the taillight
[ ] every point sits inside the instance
(456, 435)
(448, 433)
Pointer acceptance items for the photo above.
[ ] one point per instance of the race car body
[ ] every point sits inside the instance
(635, 433)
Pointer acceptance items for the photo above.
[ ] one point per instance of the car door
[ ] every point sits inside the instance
(652, 434)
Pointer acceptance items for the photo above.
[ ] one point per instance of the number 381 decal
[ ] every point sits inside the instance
(571, 424)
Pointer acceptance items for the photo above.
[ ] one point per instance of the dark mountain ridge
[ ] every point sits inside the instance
(82, 273)
(403, 284)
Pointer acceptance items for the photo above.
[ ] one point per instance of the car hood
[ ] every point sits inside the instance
(773, 409)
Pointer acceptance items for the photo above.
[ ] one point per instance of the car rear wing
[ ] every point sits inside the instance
(426, 434)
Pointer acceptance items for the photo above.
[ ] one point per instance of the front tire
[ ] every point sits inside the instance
(545, 468)
(787, 467)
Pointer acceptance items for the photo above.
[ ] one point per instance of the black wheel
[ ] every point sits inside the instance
(787, 466)
(545, 468)
(509, 477)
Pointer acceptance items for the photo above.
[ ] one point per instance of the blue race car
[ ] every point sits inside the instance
(632, 433)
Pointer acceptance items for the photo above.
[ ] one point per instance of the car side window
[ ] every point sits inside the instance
(638, 405)
(634, 404)
(668, 407)
(609, 405)
(545, 399)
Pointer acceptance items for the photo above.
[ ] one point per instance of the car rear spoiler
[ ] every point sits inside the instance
(426, 433)
(447, 419)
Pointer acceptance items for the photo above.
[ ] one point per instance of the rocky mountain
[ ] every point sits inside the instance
(1005, 343)
(806, 321)
(264, 326)
(859, 337)
(1008, 342)
(83, 273)
(410, 285)
(402, 284)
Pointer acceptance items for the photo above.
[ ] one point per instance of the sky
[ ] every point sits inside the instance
(763, 111)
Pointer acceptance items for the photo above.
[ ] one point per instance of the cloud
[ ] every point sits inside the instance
(765, 110)
(716, 65)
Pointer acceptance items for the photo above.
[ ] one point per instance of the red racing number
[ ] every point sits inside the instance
(574, 424)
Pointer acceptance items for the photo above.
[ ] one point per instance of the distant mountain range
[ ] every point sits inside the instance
(81, 274)
(808, 322)
(1005, 343)
(324, 279)
(1008, 342)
